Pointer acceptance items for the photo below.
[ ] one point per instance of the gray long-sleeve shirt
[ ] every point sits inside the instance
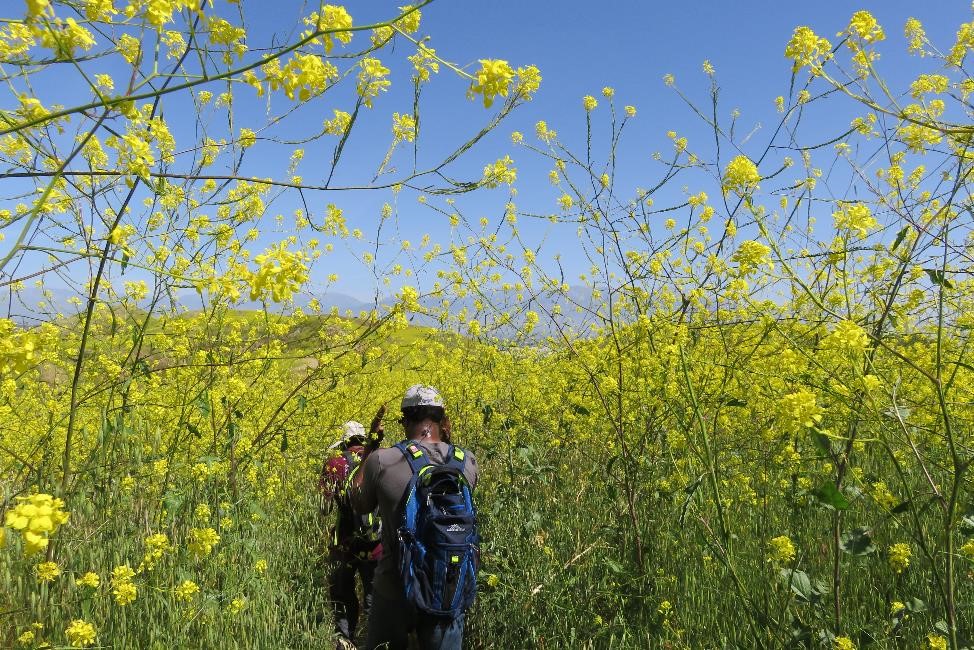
(386, 475)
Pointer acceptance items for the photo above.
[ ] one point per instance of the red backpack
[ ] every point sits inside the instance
(352, 531)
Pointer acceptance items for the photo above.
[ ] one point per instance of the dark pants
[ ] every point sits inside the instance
(391, 620)
(342, 591)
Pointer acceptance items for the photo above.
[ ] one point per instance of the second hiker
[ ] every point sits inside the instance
(354, 546)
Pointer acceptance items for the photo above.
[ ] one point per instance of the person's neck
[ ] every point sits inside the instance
(425, 432)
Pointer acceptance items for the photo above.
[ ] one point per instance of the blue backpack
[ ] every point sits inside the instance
(439, 552)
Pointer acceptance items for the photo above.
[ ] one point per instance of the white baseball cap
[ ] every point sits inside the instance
(350, 431)
(420, 395)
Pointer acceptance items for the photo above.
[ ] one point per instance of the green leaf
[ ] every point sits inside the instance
(578, 409)
(897, 412)
(915, 606)
(967, 524)
(690, 490)
(172, 502)
(302, 402)
(857, 542)
(903, 507)
(799, 582)
(830, 497)
(822, 441)
(614, 566)
(735, 401)
(203, 404)
(819, 588)
(938, 278)
(800, 632)
(900, 236)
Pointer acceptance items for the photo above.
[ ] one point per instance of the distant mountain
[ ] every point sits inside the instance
(543, 305)
(30, 306)
(24, 307)
(342, 301)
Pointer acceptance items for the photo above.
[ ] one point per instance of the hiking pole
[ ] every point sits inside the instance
(376, 431)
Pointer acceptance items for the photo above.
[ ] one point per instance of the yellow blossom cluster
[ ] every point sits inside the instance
(849, 337)
(80, 634)
(937, 642)
(403, 127)
(202, 541)
(806, 48)
(339, 124)
(186, 591)
(844, 643)
(863, 25)
(800, 409)
(90, 580)
(17, 348)
(499, 172)
(332, 24)
(304, 76)
(781, 550)
(280, 272)
(373, 78)
(156, 546)
(123, 589)
(494, 78)
(741, 176)
(855, 218)
(47, 571)
(899, 556)
(751, 255)
(36, 518)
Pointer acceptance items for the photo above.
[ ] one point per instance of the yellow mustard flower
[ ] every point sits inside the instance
(80, 634)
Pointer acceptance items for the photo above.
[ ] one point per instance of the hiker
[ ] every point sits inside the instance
(386, 480)
(355, 546)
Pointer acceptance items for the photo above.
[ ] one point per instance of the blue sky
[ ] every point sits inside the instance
(579, 47)
(582, 46)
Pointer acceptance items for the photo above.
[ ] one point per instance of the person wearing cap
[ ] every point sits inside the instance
(354, 548)
(381, 483)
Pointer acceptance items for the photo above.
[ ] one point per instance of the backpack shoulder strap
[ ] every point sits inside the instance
(418, 460)
(414, 454)
(457, 458)
(352, 465)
